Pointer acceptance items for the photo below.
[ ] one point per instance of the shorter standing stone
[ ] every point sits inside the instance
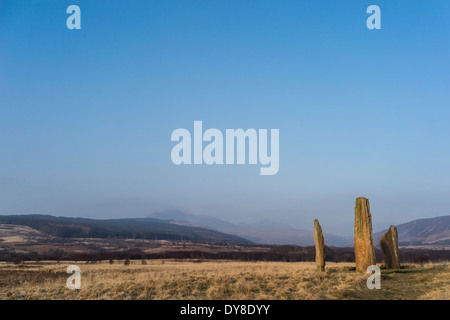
(320, 246)
(389, 247)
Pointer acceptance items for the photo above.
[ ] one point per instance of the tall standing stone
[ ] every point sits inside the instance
(389, 247)
(364, 249)
(320, 246)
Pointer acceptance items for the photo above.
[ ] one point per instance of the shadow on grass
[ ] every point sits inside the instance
(413, 270)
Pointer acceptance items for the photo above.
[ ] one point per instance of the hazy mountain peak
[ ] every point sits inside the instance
(172, 214)
(266, 224)
(264, 231)
(181, 217)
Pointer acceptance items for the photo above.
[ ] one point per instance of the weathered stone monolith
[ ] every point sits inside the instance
(320, 246)
(389, 247)
(364, 249)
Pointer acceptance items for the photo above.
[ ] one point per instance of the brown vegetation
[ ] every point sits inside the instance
(199, 279)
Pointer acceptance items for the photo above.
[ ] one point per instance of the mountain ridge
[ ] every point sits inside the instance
(125, 228)
(424, 231)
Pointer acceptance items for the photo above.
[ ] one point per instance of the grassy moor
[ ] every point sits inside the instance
(200, 279)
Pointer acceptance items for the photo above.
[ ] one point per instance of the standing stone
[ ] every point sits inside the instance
(389, 247)
(320, 246)
(364, 249)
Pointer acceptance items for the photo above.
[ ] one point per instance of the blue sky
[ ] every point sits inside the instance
(86, 115)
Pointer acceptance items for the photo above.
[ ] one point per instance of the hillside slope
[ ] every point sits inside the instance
(132, 228)
(432, 231)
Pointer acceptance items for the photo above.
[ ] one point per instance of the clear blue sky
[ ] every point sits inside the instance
(86, 115)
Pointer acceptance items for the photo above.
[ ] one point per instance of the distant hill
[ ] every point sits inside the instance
(180, 217)
(131, 228)
(262, 232)
(432, 231)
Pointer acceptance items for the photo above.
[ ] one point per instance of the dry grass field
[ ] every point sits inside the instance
(171, 279)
